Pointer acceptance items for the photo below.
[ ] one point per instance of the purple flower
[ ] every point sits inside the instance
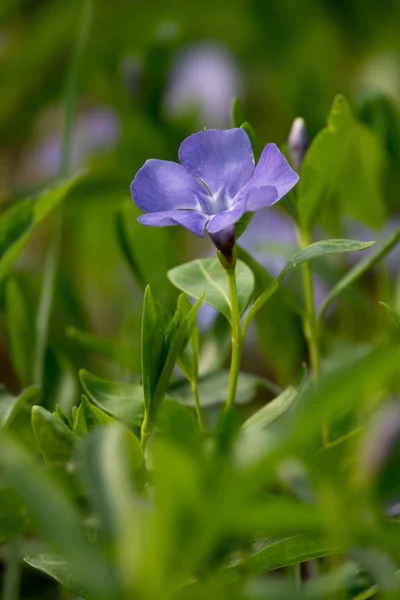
(215, 184)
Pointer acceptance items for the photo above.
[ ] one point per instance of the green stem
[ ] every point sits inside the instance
(310, 322)
(51, 260)
(12, 575)
(145, 431)
(199, 412)
(237, 340)
(295, 574)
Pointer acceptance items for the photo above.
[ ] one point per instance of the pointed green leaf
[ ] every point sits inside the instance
(55, 440)
(121, 400)
(312, 251)
(208, 276)
(89, 416)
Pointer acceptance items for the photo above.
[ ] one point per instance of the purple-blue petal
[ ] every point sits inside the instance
(228, 217)
(223, 159)
(162, 185)
(272, 170)
(261, 197)
(190, 219)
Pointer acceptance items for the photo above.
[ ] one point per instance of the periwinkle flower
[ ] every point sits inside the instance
(298, 142)
(214, 186)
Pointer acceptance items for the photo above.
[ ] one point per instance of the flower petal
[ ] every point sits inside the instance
(223, 159)
(192, 220)
(163, 185)
(228, 217)
(261, 197)
(273, 170)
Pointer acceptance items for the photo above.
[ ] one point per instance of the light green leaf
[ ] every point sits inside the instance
(121, 400)
(213, 386)
(10, 405)
(19, 222)
(344, 161)
(273, 410)
(208, 276)
(55, 440)
(325, 247)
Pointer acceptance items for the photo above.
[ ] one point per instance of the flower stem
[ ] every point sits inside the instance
(145, 431)
(237, 340)
(199, 413)
(310, 322)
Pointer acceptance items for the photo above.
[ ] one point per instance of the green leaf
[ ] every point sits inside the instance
(276, 554)
(359, 269)
(208, 276)
(111, 457)
(55, 516)
(393, 313)
(188, 361)
(312, 251)
(148, 268)
(242, 224)
(179, 337)
(344, 161)
(273, 410)
(121, 400)
(213, 386)
(252, 137)
(10, 405)
(89, 416)
(55, 440)
(14, 517)
(62, 571)
(237, 113)
(153, 346)
(19, 222)
(120, 352)
(20, 327)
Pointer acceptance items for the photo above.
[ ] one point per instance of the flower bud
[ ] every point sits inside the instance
(298, 142)
(224, 241)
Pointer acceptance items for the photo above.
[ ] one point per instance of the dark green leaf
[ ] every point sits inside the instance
(394, 314)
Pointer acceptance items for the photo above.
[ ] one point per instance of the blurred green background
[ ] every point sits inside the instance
(149, 74)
